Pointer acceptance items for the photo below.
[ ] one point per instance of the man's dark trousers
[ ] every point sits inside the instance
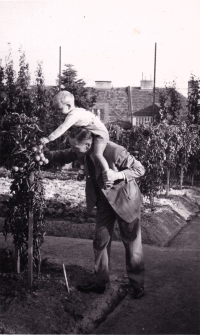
(130, 234)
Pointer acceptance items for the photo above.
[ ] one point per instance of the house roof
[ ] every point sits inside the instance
(142, 99)
(147, 111)
(142, 102)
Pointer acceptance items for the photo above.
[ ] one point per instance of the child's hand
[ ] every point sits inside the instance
(109, 176)
(44, 140)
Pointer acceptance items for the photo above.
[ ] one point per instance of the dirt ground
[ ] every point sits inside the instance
(171, 303)
(55, 311)
(170, 306)
(46, 308)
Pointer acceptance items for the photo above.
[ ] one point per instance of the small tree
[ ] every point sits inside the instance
(193, 168)
(186, 147)
(169, 138)
(193, 104)
(27, 194)
(10, 88)
(23, 101)
(42, 100)
(150, 146)
(84, 96)
(49, 118)
(170, 105)
(2, 92)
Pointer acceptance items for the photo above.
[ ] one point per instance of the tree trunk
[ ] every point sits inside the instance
(192, 179)
(194, 169)
(167, 186)
(39, 264)
(181, 178)
(151, 200)
(30, 237)
(17, 260)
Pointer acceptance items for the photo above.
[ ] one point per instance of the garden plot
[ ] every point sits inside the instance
(47, 308)
(55, 311)
(66, 209)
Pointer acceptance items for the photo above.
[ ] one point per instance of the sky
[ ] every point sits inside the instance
(105, 39)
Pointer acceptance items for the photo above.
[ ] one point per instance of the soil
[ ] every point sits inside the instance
(66, 213)
(55, 310)
(47, 307)
(170, 305)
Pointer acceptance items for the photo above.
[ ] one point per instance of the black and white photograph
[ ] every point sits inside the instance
(100, 167)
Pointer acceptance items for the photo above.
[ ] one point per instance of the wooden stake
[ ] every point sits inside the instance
(39, 264)
(66, 281)
(130, 104)
(59, 67)
(30, 239)
(154, 80)
(17, 260)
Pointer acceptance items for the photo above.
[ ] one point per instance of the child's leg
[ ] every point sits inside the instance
(99, 147)
(81, 172)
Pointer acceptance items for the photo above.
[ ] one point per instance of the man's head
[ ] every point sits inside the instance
(64, 102)
(81, 140)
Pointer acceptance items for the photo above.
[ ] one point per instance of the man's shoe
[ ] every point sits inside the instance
(138, 293)
(92, 287)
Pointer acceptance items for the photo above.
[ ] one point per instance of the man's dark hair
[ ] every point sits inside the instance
(81, 134)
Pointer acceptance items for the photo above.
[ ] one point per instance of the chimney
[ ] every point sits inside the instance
(146, 84)
(103, 84)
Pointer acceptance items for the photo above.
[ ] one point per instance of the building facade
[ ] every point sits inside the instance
(136, 105)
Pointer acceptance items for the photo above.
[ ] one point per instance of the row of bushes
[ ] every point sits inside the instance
(168, 150)
(169, 153)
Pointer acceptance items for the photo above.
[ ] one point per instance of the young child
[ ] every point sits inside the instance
(64, 103)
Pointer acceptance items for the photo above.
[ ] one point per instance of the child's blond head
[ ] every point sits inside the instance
(63, 98)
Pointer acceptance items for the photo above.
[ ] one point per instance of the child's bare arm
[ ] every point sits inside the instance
(69, 121)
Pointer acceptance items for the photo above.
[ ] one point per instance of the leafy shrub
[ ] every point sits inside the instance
(27, 193)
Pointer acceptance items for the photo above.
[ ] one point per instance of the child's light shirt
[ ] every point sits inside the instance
(80, 117)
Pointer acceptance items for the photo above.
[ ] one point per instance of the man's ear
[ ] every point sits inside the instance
(88, 146)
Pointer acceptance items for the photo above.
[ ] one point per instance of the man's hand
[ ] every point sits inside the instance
(109, 176)
(47, 153)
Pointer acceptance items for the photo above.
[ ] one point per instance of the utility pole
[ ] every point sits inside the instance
(130, 104)
(59, 67)
(154, 80)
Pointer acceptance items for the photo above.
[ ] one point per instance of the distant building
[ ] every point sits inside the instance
(145, 115)
(129, 104)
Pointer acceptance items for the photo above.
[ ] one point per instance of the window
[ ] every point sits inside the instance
(143, 120)
(99, 111)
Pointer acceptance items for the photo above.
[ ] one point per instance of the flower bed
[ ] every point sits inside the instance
(66, 209)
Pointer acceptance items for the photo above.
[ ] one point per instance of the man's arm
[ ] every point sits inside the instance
(129, 168)
(60, 156)
(127, 163)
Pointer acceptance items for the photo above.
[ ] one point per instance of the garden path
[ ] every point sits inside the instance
(172, 300)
